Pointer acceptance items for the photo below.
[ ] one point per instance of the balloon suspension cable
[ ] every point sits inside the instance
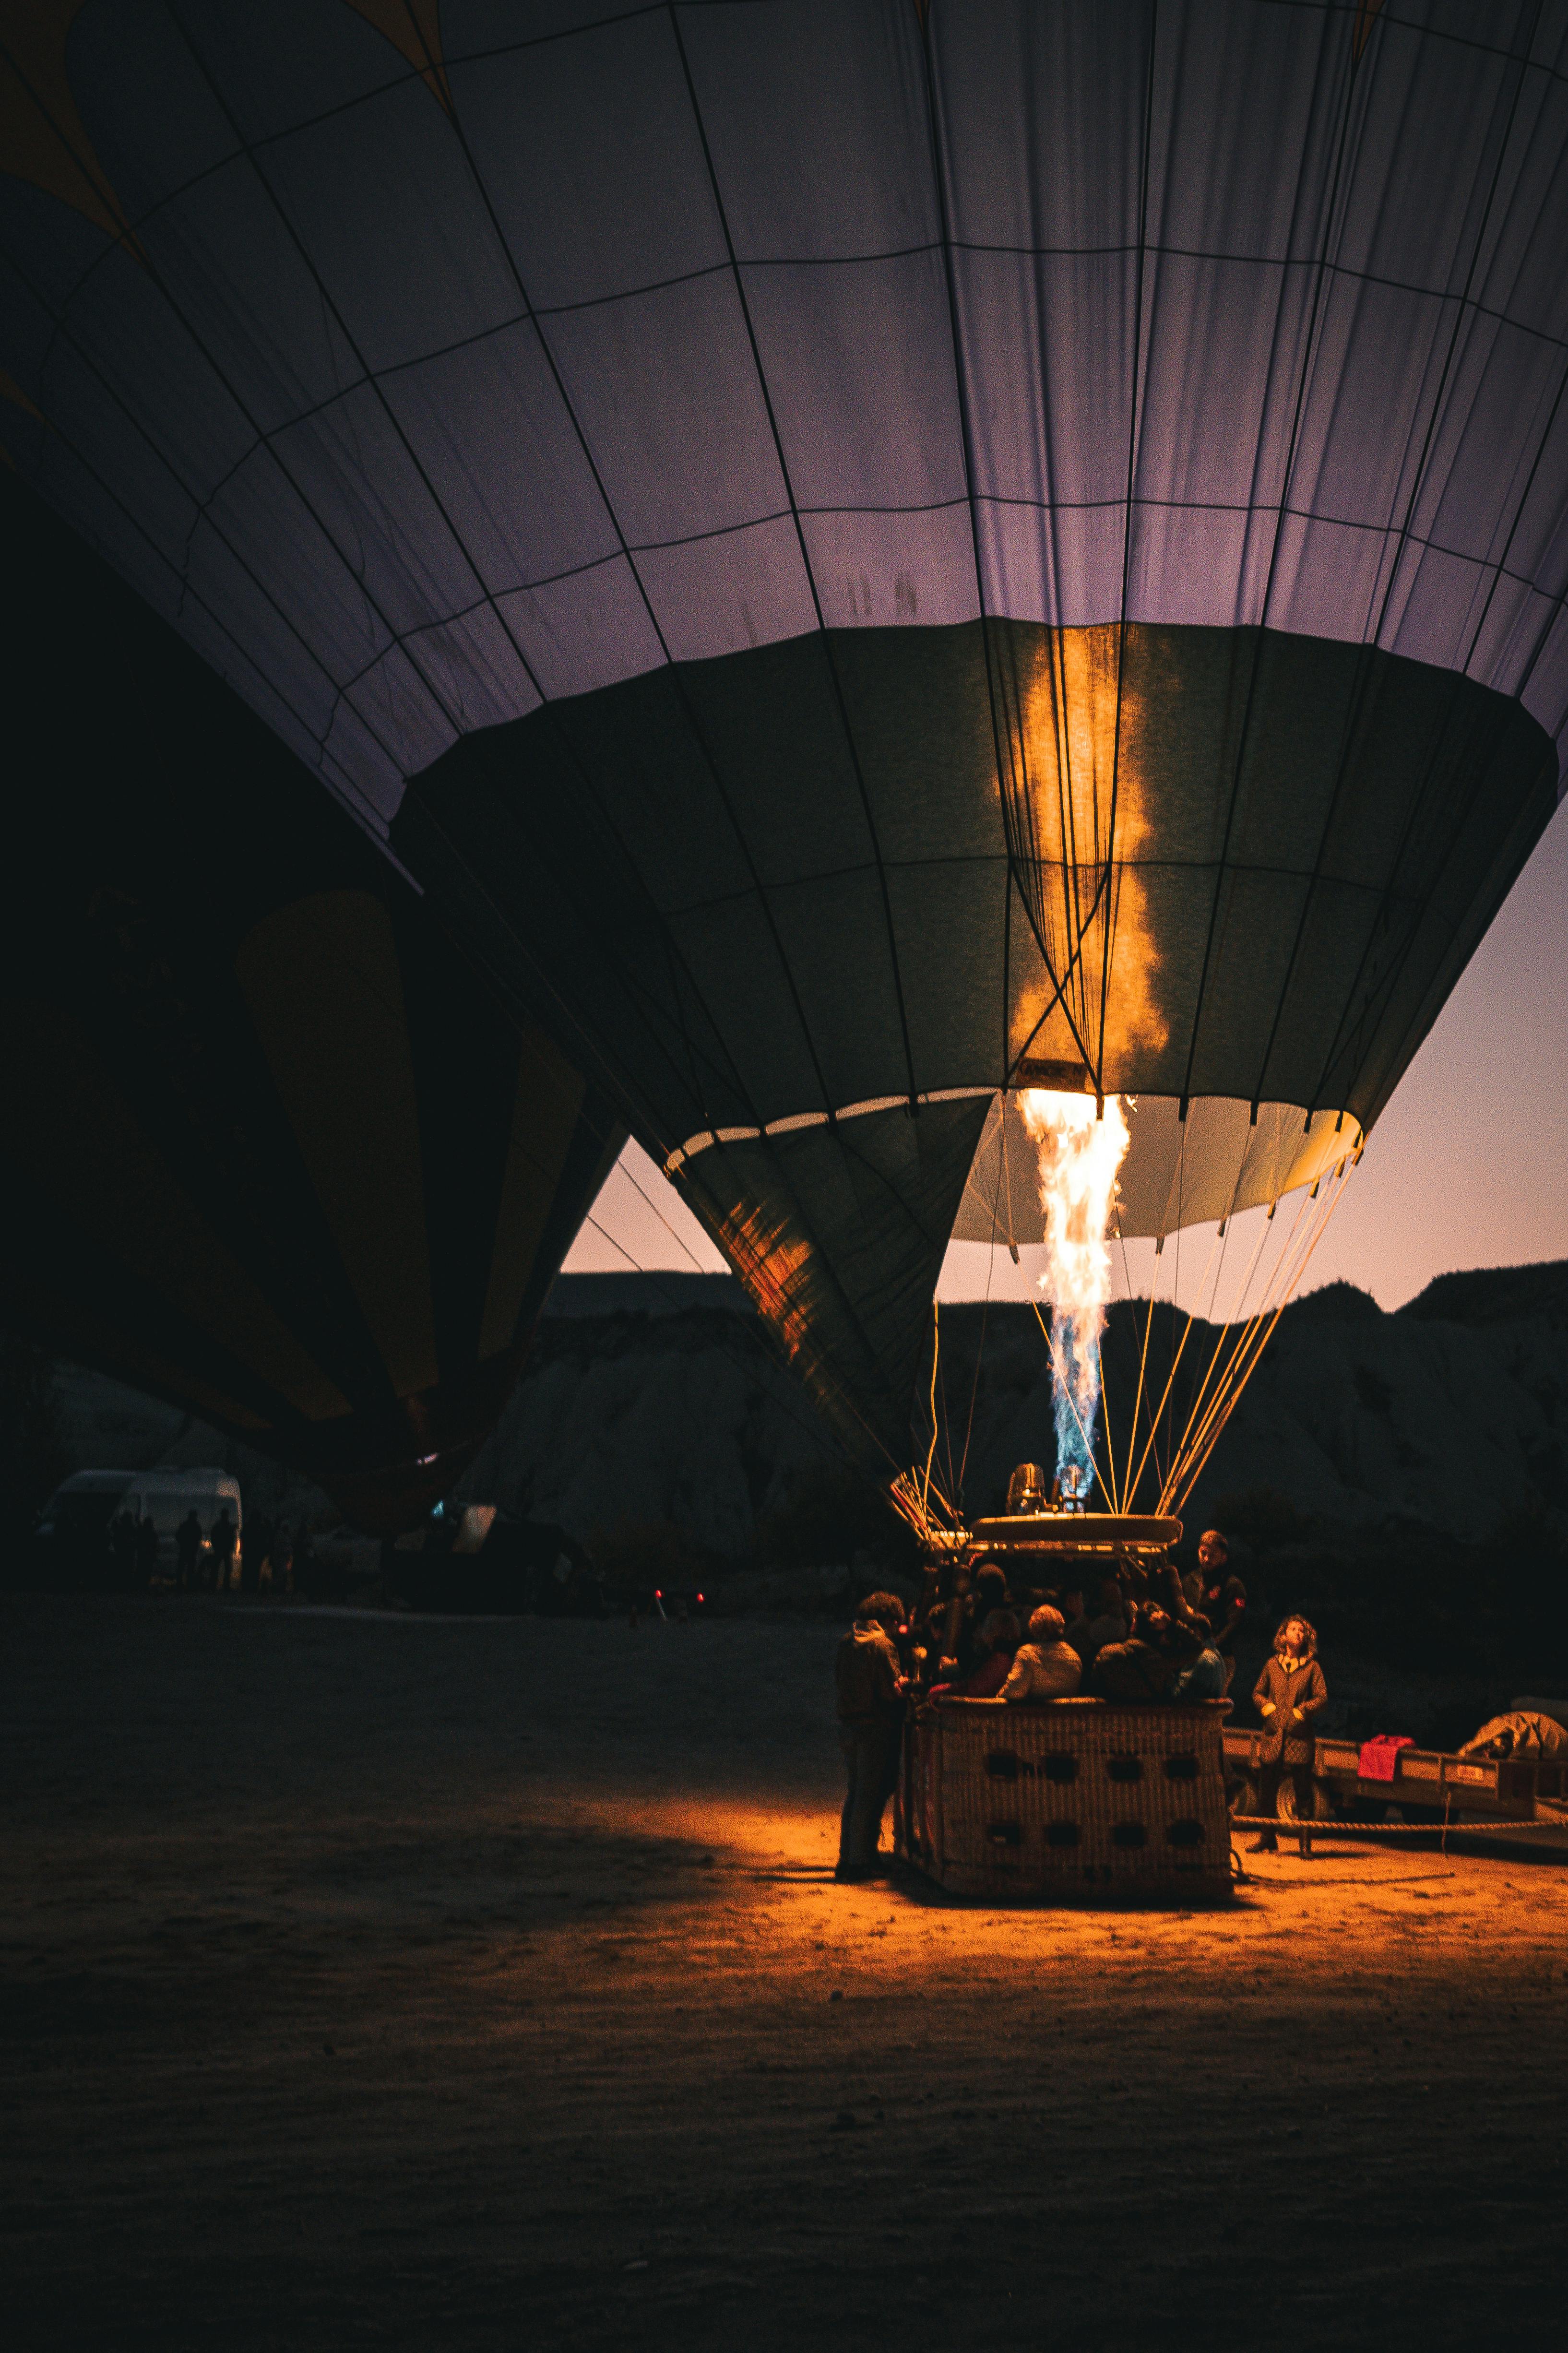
(1185, 1474)
(1203, 1431)
(1124, 1501)
(1223, 1336)
(1105, 1424)
(935, 1359)
(1238, 1341)
(1165, 1394)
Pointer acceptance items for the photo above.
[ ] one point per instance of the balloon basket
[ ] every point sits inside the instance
(1075, 1799)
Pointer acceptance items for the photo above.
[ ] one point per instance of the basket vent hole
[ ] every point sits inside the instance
(1185, 1833)
(1001, 1764)
(1129, 1834)
(1061, 1834)
(1183, 1766)
(1061, 1768)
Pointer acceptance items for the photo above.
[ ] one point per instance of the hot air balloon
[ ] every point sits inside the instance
(870, 558)
(272, 1149)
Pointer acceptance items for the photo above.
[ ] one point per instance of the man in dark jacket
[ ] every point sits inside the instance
(870, 1723)
(146, 1548)
(1288, 1694)
(225, 1536)
(188, 1549)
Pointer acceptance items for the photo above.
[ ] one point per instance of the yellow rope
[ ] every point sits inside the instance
(1240, 1343)
(1154, 1420)
(1196, 1415)
(935, 1356)
(1127, 1500)
(1196, 1471)
(1250, 1348)
(1105, 1420)
(1199, 1444)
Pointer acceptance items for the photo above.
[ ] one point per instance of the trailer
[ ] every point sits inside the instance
(1429, 1786)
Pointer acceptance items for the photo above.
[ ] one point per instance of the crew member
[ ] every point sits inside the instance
(870, 1727)
(1222, 1599)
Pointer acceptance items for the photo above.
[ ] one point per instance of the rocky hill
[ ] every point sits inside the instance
(655, 1401)
(654, 1410)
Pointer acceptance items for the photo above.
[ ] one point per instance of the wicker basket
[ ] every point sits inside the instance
(1068, 1796)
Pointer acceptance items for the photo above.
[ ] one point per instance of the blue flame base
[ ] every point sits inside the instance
(1076, 1373)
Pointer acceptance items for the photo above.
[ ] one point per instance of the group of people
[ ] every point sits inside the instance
(1146, 1633)
(1149, 1633)
(209, 1560)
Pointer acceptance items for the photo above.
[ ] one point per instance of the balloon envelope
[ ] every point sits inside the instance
(876, 555)
(273, 1149)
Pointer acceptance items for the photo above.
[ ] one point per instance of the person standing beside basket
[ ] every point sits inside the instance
(1288, 1694)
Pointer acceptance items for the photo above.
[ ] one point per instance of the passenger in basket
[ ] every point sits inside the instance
(1147, 1665)
(1288, 1693)
(1109, 1623)
(1047, 1667)
(990, 1595)
(997, 1648)
(1068, 1596)
(1204, 1678)
(870, 1725)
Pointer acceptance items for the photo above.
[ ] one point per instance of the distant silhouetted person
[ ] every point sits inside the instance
(870, 1724)
(256, 1559)
(187, 1550)
(146, 1549)
(222, 1542)
(1288, 1693)
(123, 1548)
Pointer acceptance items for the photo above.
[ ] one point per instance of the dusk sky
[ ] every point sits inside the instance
(1468, 1166)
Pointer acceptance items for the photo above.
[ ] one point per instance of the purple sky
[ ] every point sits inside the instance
(1468, 1166)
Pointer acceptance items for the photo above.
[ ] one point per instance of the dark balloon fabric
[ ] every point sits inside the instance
(766, 935)
(865, 553)
(273, 1149)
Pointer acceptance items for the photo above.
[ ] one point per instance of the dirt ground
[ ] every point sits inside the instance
(376, 1981)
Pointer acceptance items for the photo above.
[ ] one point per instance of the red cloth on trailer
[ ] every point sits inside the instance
(1379, 1756)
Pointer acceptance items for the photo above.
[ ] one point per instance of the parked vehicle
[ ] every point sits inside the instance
(70, 1535)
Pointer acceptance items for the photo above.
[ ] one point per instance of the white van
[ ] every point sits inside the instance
(70, 1535)
(166, 1496)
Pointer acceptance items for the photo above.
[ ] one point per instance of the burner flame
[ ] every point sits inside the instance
(1081, 1151)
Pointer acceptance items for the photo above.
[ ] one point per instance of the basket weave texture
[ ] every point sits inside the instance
(1064, 1797)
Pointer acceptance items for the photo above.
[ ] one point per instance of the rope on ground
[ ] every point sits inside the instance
(1283, 1828)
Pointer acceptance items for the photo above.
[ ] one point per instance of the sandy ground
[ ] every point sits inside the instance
(376, 1981)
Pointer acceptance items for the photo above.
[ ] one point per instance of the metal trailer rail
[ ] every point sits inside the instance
(1469, 1792)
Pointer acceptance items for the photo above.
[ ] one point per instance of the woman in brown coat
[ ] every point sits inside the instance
(1288, 1694)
